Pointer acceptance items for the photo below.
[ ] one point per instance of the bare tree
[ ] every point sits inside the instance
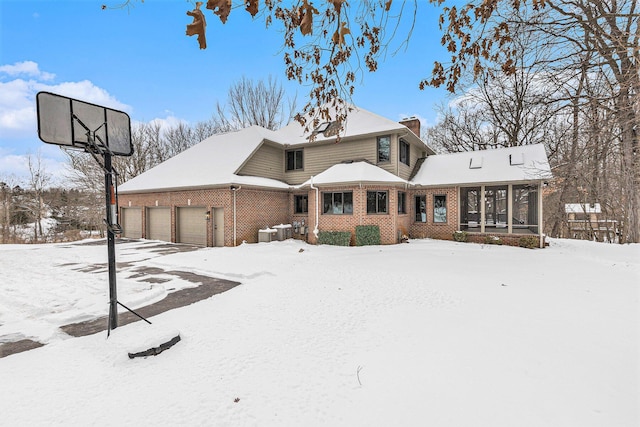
(39, 179)
(250, 103)
(8, 185)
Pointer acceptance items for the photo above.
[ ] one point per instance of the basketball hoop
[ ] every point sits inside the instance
(99, 131)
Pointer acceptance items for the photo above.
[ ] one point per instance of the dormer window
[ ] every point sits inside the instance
(321, 128)
(327, 129)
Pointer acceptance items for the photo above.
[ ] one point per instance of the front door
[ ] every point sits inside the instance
(218, 227)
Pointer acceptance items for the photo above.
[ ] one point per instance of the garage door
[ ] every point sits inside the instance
(131, 223)
(191, 225)
(159, 224)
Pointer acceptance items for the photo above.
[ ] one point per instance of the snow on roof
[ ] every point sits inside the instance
(344, 173)
(582, 208)
(213, 161)
(358, 122)
(522, 163)
(216, 160)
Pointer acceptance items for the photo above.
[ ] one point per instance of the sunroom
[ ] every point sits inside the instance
(499, 190)
(506, 208)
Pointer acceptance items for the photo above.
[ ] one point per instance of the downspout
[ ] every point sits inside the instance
(315, 229)
(234, 189)
(360, 215)
(540, 216)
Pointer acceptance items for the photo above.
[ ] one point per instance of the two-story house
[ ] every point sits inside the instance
(223, 190)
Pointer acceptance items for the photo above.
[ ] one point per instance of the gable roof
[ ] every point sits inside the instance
(359, 122)
(522, 163)
(217, 160)
(214, 161)
(349, 173)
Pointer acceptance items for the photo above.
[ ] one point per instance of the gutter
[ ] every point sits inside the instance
(235, 190)
(315, 229)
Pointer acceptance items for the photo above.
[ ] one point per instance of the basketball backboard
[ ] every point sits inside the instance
(72, 123)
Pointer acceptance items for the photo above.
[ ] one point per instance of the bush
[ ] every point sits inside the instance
(460, 236)
(335, 238)
(492, 240)
(529, 242)
(367, 235)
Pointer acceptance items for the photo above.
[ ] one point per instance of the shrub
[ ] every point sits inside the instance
(367, 235)
(335, 238)
(529, 242)
(460, 236)
(492, 240)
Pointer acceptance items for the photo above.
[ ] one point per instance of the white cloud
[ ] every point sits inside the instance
(15, 167)
(87, 91)
(17, 97)
(26, 68)
(19, 84)
(167, 122)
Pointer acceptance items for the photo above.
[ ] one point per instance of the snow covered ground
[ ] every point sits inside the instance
(429, 333)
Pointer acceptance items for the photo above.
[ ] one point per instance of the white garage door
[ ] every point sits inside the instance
(191, 225)
(159, 224)
(131, 223)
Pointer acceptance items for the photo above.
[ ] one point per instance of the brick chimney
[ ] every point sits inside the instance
(413, 124)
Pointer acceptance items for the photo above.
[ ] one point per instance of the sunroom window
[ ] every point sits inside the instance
(495, 208)
(470, 209)
(525, 209)
(521, 216)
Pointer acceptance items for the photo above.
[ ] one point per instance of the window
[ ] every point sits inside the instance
(404, 152)
(384, 149)
(421, 208)
(470, 210)
(376, 202)
(301, 204)
(525, 209)
(337, 203)
(523, 215)
(321, 127)
(440, 209)
(327, 129)
(294, 159)
(495, 207)
(402, 197)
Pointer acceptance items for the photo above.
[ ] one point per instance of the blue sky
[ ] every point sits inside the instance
(139, 60)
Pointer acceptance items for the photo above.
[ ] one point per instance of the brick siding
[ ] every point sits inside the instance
(431, 229)
(260, 208)
(255, 209)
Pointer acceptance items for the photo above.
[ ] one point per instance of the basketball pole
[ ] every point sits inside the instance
(111, 242)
